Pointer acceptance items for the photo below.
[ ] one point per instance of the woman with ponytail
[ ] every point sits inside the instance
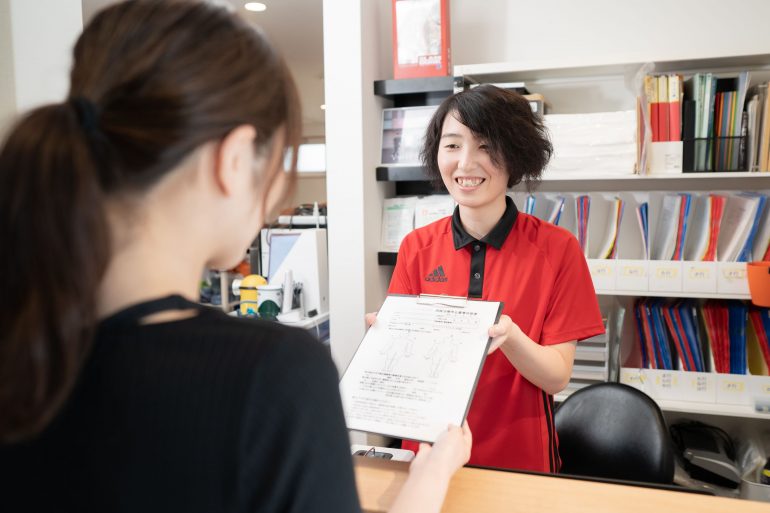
(118, 392)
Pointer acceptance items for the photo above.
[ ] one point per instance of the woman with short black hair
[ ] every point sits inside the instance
(479, 143)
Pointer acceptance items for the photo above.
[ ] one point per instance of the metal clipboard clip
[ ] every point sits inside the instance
(439, 299)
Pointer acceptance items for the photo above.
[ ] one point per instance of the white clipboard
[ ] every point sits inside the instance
(418, 365)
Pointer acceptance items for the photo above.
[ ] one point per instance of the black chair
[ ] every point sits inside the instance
(611, 430)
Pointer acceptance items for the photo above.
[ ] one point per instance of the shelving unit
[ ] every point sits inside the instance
(597, 87)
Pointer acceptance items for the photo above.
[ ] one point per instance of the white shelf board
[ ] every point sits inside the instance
(523, 69)
(652, 293)
(642, 178)
(724, 410)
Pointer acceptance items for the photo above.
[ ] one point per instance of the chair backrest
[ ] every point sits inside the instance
(615, 431)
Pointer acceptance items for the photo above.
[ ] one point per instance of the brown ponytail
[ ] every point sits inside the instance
(56, 247)
(152, 80)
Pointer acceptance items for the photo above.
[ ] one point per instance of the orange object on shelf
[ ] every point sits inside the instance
(759, 282)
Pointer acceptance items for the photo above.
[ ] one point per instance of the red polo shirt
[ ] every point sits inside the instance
(540, 274)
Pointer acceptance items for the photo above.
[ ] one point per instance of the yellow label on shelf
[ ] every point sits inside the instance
(733, 386)
(734, 273)
(700, 383)
(766, 388)
(630, 378)
(632, 271)
(666, 380)
(666, 273)
(699, 273)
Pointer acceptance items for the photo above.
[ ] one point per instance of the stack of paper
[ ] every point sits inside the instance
(671, 229)
(583, 205)
(681, 321)
(705, 225)
(725, 323)
(759, 326)
(545, 208)
(529, 205)
(609, 246)
(741, 220)
(432, 208)
(597, 143)
(644, 228)
(698, 338)
(397, 221)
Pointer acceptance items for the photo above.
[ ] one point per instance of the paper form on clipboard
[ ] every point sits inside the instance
(417, 367)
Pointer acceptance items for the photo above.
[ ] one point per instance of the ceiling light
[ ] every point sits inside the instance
(323, 106)
(255, 6)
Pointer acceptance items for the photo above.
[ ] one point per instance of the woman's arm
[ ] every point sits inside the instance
(548, 367)
(431, 471)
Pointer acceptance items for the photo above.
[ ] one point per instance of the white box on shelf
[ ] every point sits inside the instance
(700, 277)
(665, 157)
(665, 276)
(731, 278)
(668, 385)
(672, 385)
(743, 390)
(633, 275)
(636, 378)
(603, 273)
(701, 387)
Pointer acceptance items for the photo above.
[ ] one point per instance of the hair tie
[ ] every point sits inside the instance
(87, 113)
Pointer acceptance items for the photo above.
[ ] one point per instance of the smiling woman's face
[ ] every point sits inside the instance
(469, 174)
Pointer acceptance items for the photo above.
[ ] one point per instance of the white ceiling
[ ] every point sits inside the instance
(295, 27)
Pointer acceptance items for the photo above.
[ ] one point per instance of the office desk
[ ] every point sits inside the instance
(489, 491)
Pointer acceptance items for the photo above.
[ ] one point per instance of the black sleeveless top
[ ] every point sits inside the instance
(204, 414)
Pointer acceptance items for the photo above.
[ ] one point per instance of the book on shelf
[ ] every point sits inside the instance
(675, 90)
(663, 108)
(421, 44)
(403, 131)
(431, 208)
(397, 221)
(725, 337)
(742, 215)
(758, 336)
(659, 225)
(702, 237)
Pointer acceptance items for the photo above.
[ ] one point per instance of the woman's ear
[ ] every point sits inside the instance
(234, 159)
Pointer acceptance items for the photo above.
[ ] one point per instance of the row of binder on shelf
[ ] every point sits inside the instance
(725, 227)
(720, 130)
(727, 337)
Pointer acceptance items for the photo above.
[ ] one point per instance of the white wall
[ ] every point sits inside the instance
(607, 31)
(351, 64)
(43, 33)
(7, 86)
(36, 39)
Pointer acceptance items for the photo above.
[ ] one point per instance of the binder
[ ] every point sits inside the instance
(674, 107)
(689, 108)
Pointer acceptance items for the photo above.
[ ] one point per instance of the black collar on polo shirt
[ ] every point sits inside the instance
(495, 237)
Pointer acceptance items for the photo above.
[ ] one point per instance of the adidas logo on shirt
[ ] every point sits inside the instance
(437, 275)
